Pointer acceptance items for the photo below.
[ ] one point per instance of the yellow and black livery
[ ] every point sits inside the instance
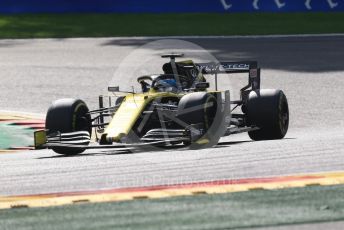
(175, 107)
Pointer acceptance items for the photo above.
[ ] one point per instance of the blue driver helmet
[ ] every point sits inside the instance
(167, 85)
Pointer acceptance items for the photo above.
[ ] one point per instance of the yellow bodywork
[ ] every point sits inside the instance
(129, 111)
(40, 138)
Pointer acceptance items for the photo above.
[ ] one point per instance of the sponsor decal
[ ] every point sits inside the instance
(228, 4)
(236, 66)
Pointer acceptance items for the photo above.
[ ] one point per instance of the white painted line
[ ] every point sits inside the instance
(180, 37)
(227, 36)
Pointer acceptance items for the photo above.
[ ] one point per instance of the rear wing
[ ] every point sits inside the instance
(250, 67)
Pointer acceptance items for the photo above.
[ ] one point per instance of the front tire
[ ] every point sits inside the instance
(68, 115)
(199, 109)
(268, 110)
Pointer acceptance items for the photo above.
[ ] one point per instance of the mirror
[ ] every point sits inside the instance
(113, 88)
(202, 85)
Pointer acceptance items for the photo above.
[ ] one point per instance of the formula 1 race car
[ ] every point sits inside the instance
(175, 108)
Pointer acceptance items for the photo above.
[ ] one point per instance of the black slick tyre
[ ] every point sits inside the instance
(268, 110)
(65, 116)
(200, 109)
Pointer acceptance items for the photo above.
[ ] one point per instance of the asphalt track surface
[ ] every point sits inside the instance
(310, 70)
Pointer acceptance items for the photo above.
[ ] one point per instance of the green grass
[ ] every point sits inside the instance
(15, 136)
(226, 211)
(105, 25)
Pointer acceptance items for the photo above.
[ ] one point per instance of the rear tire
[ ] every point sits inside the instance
(268, 109)
(68, 115)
